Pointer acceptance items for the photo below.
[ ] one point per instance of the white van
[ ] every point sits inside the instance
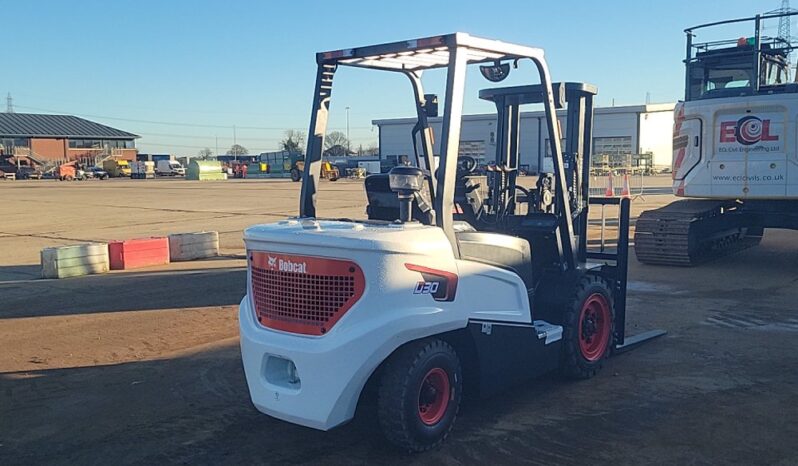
(169, 168)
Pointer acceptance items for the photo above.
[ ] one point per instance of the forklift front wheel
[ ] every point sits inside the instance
(588, 328)
(295, 175)
(420, 394)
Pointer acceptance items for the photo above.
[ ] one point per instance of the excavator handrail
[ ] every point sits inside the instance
(739, 20)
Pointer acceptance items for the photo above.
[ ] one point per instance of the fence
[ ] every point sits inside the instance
(630, 163)
(614, 184)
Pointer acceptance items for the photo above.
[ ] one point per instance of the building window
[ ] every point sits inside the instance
(8, 144)
(614, 146)
(474, 149)
(100, 144)
(85, 144)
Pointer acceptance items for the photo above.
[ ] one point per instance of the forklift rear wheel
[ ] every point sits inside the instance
(420, 394)
(295, 175)
(588, 328)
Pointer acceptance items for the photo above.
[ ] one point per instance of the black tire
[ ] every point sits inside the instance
(588, 328)
(295, 175)
(412, 420)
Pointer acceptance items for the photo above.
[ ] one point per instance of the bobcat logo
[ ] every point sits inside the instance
(272, 262)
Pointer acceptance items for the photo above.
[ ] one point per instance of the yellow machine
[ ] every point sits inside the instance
(328, 171)
(117, 168)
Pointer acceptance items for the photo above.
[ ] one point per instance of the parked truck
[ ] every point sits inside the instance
(169, 168)
(117, 168)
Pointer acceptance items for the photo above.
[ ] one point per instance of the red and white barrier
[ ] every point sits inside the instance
(139, 252)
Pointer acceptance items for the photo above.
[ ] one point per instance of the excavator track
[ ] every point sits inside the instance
(689, 232)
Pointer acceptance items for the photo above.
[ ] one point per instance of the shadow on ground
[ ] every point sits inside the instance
(196, 410)
(129, 291)
(11, 273)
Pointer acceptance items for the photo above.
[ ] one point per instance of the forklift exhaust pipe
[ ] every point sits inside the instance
(406, 181)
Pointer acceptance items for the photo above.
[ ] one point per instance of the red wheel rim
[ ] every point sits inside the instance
(594, 327)
(433, 396)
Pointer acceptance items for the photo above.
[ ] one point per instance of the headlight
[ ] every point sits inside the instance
(404, 179)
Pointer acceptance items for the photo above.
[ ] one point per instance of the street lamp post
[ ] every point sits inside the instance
(348, 148)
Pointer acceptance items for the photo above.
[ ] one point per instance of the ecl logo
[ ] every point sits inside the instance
(747, 130)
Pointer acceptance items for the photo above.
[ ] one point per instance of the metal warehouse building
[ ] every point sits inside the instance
(637, 129)
(58, 138)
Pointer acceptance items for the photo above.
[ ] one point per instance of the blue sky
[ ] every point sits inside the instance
(183, 73)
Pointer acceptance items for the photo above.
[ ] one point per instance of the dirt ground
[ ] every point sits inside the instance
(143, 367)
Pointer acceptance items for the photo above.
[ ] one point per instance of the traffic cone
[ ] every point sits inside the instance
(610, 192)
(625, 191)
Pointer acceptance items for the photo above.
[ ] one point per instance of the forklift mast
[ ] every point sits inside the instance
(570, 177)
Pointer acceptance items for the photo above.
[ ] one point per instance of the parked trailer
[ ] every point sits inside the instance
(142, 170)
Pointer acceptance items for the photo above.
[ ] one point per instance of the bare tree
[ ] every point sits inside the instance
(293, 141)
(336, 138)
(205, 154)
(371, 149)
(237, 149)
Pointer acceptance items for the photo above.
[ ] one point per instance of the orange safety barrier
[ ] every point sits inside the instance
(141, 252)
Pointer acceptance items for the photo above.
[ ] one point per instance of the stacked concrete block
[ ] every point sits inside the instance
(190, 246)
(74, 261)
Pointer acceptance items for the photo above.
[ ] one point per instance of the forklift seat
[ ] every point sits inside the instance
(503, 251)
(383, 204)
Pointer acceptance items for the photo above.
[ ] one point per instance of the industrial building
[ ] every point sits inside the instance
(59, 138)
(638, 133)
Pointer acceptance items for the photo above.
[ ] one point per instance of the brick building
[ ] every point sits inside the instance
(59, 138)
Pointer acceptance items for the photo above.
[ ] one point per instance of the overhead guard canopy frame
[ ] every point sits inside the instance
(412, 57)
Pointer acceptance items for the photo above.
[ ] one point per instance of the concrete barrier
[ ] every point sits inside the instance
(190, 246)
(74, 261)
(139, 252)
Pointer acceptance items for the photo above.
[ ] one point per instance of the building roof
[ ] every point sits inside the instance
(27, 125)
(646, 108)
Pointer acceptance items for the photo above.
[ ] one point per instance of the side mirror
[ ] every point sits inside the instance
(431, 105)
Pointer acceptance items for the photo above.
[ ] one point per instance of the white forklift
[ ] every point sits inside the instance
(456, 283)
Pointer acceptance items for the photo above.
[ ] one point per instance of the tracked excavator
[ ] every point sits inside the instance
(735, 149)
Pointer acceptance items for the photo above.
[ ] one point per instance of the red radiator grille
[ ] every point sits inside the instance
(303, 294)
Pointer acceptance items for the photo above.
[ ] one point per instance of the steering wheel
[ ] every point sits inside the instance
(467, 163)
(518, 188)
(523, 190)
